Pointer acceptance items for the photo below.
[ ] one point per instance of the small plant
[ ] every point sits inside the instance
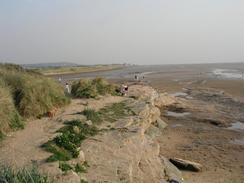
(83, 181)
(65, 166)
(65, 146)
(25, 175)
(81, 168)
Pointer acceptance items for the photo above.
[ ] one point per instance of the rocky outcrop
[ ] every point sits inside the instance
(127, 151)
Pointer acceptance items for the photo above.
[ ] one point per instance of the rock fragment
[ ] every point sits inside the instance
(186, 164)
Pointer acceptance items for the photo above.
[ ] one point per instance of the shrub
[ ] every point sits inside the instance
(92, 88)
(33, 93)
(66, 146)
(65, 166)
(25, 175)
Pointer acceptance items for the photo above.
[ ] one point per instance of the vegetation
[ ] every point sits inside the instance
(81, 168)
(109, 113)
(83, 181)
(10, 118)
(65, 166)
(78, 168)
(92, 88)
(66, 146)
(24, 94)
(76, 69)
(26, 175)
(92, 115)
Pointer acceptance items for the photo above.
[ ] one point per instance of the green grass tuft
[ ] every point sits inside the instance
(26, 175)
(92, 115)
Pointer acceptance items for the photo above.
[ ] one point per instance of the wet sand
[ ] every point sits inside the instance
(214, 144)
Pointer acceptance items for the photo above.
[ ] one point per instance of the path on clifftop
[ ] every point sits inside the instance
(22, 147)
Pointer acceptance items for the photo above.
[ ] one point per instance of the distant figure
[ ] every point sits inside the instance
(67, 88)
(124, 89)
(60, 79)
(136, 77)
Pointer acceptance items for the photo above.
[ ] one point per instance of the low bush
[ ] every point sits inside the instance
(86, 88)
(26, 175)
(66, 146)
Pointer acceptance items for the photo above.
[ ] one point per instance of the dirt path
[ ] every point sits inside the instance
(23, 147)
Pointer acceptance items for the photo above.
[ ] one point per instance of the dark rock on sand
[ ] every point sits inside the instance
(186, 165)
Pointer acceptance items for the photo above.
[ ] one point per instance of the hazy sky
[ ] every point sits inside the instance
(116, 31)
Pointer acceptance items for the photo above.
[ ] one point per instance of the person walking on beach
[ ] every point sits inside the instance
(67, 88)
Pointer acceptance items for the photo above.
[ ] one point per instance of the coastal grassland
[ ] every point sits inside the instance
(33, 94)
(25, 175)
(66, 145)
(77, 69)
(91, 88)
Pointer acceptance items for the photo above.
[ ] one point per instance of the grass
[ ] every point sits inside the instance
(26, 94)
(66, 146)
(109, 113)
(78, 168)
(10, 118)
(116, 111)
(65, 166)
(83, 181)
(33, 94)
(92, 115)
(87, 88)
(76, 69)
(25, 175)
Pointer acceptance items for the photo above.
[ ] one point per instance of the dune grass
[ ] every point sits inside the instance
(87, 88)
(10, 118)
(33, 93)
(26, 94)
(25, 175)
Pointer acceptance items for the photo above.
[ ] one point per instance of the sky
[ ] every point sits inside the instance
(118, 31)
